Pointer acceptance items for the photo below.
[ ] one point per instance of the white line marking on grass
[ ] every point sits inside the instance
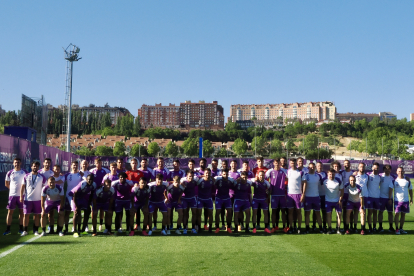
(4, 254)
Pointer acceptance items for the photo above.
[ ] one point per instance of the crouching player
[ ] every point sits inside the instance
(81, 201)
(158, 198)
(354, 205)
(175, 192)
(139, 202)
(402, 188)
(103, 199)
(54, 196)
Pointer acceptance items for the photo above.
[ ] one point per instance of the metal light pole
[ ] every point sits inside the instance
(71, 55)
(335, 147)
(255, 140)
(382, 153)
(318, 148)
(366, 146)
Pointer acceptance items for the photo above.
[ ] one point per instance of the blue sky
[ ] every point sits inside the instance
(358, 54)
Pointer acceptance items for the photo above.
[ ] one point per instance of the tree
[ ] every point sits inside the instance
(171, 149)
(207, 148)
(259, 145)
(103, 151)
(153, 149)
(222, 152)
(239, 146)
(276, 146)
(190, 147)
(85, 151)
(119, 149)
(138, 150)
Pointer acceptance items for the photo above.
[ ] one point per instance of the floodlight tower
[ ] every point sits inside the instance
(71, 55)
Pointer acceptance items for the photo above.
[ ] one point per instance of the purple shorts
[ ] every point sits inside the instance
(373, 203)
(32, 207)
(402, 207)
(50, 205)
(330, 205)
(101, 206)
(353, 205)
(278, 202)
(14, 201)
(312, 203)
(205, 203)
(120, 205)
(81, 202)
(384, 204)
(241, 205)
(175, 205)
(140, 206)
(365, 202)
(220, 203)
(322, 199)
(293, 201)
(345, 199)
(189, 203)
(260, 203)
(160, 205)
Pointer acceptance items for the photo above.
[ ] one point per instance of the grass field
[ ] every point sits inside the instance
(204, 254)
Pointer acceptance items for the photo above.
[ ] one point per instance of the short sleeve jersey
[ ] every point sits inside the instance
(362, 181)
(332, 189)
(277, 182)
(72, 179)
(157, 191)
(257, 170)
(401, 187)
(140, 195)
(250, 174)
(53, 194)
(260, 189)
(103, 196)
(174, 193)
(215, 173)
(16, 179)
(234, 175)
(345, 177)
(294, 182)
(123, 190)
(190, 186)
(313, 181)
(387, 181)
(223, 187)
(99, 174)
(242, 191)
(83, 189)
(34, 185)
(46, 173)
(135, 176)
(147, 174)
(355, 193)
(204, 188)
(180, 173)
(321, 187)
(165, 173)
(374, 182)
(111, 177)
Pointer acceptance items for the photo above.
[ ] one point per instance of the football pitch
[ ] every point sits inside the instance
(207, 254)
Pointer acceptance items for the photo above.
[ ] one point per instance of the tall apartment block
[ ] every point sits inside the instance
(194, 115)
(309, 110)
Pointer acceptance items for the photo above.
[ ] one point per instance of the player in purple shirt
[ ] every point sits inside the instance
(189, 201)
(147, 171)
(176, 170)
(103, 199)
(157, 201)
(13, 182)
(277, 178)
(242, 198)
(175, 192)
(81, 201)
(166, 177)
(223, 185)
(55, 199)
(250, 174)
(113, 175)
(260, 200)
(120, 165)
(139, 202)
(99, 172)
(205, 186)
(123, 188)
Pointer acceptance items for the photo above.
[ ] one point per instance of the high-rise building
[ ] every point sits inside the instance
(411, 116)
(187, 114)
(159, 115)
(309, 110)
(201, 114)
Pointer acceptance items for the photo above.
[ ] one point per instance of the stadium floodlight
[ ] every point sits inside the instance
(71, 55)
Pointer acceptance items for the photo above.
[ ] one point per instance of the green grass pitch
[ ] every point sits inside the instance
(204, 254)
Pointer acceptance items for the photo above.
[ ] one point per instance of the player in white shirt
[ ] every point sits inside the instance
(319, 170)
(345, 174)
(361, 179)
(14, 180)
(54, 196)
(354, 205)
(32, 190)
(84, 165)
(46, 170)
(294, 195)
(334, 191)
(310, 196)
(72, 179)
(402, 188)
(374, 182)
(387, 180)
